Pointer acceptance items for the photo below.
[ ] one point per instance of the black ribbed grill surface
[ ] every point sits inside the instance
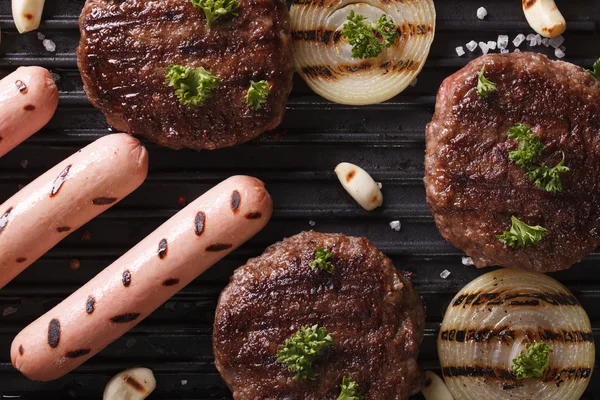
(297, 164)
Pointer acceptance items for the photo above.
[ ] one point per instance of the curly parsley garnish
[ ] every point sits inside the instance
(301, 350)
(525, 156)
(521, 234)
(349, 390)
(321, 261)
(363, 38)
(595, 71)
(257, 94)
(532, 362)
(214, 9)
(193, 86)
(484, 86)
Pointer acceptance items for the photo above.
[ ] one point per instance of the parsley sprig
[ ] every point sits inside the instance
(595, 71)
(193, 86)
(349, 390)
(214, 9)
(521, 234)
(257, 94)
(532, 363)
(364, 38)
(484, 86)
(300, 351)
(525, 156)
(321, 261)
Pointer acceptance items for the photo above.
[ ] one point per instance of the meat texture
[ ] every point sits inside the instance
(127, 45)
(472, 187)
(372, 312)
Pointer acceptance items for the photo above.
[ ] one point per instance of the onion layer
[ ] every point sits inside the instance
(490, 321)
(323, 58)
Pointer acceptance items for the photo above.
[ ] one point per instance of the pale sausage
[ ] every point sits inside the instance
(28, 99)
(66, 197)
(140, 281)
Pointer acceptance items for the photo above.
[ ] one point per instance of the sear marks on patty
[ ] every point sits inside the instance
(371, 310)
(473, 189)
(127, 45)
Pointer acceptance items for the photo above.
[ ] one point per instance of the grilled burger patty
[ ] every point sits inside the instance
(127, 45)
(472, 187)
(372, 312)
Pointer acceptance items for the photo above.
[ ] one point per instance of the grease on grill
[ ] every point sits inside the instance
(162, 249)
(77, 353)
(90, 304)
(126, 278)
(236, 200)
(21, 86)
(219, 247)
(4, 219)
(123, 318)
(253, 215)
(103, 201)
(59, 181)
(54, 333)
(199, 222)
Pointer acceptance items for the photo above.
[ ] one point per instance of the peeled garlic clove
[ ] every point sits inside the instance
(544, 17)
(131, 384)
(434, 388)
(27, 14)
(359, 184)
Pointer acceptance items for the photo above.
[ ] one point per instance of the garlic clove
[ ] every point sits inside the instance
(131, 384)
(359, 184)
(544, 17)
(27, 14)
(434, 388)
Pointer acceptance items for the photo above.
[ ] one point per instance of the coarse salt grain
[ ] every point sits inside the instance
(379, 185)
(504, 51)
(559, 53)
(502, 41)
(467, 261)
(538, 39)
(519, 39)
(481, 13)
(414, 82)
(49, 45)
(556, 42)
(517, 51)
(183, 382)
(492, 45)
(460, 51)
(41, 36)
(395, 225)
(546, 42)
(484, 47)
(24, 164)
(445, 273)
(312, 223)
(472, 45)
(531, 36)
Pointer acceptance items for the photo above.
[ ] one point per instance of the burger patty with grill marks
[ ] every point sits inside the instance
(473, 189)
(371, 311)
(127, 45)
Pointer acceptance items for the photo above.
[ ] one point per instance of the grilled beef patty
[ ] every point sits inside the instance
(126, 46)
(472, 187)
(371, 310)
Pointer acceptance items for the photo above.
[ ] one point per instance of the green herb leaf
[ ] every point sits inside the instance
(214, 9)
(595, 71)
(530, 146)
(548, 178)
(484, 86)
(193, 86)
(521, 234)
(363, 38)
(257, 94)
(302, 349)
(349, 390)
(321, 261)
(532, 362)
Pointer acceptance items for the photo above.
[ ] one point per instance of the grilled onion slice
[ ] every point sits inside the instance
(490, 321)
(323, 58)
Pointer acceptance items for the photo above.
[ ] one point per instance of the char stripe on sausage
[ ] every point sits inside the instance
(4, 219)
(126, 278)
(77, 353)
(219, 247)
(103, 201)
(54, 333)
(90, 305)
(253, 215)
(236, 200)
(63, 229)
(162, 249)
(199, 222)
(21, 260)
(123, 318)
(21, 349)
(60, 180)
(21, 86)
(171, 282)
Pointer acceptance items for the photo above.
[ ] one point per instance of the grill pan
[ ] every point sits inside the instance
(296, 162)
